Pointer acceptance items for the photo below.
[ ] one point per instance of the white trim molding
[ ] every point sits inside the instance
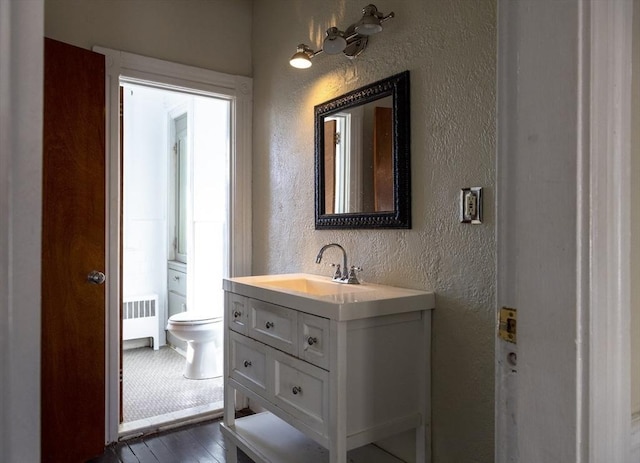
(21, 116)
(605, 328)
(122, 66)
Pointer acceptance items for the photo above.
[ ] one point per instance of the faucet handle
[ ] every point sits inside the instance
(338, 273)
(353, 279)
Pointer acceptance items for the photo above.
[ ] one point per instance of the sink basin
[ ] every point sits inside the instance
(313, 286)
(320, 295)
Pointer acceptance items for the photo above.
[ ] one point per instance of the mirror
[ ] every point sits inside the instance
(362, 157)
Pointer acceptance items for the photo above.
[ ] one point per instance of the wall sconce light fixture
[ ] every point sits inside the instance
(350, 42)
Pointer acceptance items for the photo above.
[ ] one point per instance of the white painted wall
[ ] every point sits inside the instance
(21, 71)
(147, 141)
(145, 193)
(211, 34)
(145, 188)
(449, 46)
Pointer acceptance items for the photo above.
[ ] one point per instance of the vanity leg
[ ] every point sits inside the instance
(231, 452)
(229, 394)
(338, 394)
(423, 432)
(421, 445)
(338, 456)
(229, 411)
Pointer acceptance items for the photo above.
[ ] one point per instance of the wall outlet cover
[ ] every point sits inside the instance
(471, 205)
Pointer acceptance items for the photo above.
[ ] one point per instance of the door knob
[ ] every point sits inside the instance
(95, 277)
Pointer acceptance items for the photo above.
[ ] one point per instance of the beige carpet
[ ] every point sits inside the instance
(154, 385)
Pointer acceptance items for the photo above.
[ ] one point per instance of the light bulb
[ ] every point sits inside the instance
(301, 59)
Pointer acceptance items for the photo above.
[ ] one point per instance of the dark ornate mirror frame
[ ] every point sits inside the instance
(398, 87)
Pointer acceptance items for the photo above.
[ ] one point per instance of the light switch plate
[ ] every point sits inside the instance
(471, 205)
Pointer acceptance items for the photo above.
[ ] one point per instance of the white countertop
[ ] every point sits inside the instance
(329, 299)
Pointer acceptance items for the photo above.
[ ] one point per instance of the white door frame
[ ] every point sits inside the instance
(564, 152)
(607, 392)
(163, 74)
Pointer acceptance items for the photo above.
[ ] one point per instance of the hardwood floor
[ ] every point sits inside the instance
(202, 442)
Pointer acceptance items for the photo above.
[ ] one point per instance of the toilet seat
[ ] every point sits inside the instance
(193, 318)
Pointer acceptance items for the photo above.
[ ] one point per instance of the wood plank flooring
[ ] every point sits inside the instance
(198, 443)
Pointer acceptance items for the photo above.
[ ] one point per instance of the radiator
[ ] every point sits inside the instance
(140, 318)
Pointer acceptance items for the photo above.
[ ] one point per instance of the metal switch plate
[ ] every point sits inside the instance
(507, 328)
(471, 205)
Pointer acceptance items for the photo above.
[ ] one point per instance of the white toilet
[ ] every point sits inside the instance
(203, 334)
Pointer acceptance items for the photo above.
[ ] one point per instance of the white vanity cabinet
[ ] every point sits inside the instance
(333, 372)
(176, 296)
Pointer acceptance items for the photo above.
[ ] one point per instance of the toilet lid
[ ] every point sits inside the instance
(192, 318)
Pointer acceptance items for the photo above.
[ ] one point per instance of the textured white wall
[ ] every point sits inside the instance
(211, 34)
(449, 47)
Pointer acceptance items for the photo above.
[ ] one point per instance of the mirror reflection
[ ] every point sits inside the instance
(358, 150)
(362, 157)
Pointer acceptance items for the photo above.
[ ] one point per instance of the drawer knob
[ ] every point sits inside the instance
(236, 314)
(176, 278)
(247, 363)
(311, 340)
(296, 390)
(269, 325)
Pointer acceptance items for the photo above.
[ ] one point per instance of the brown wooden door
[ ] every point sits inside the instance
(383, 159)
(73, 245)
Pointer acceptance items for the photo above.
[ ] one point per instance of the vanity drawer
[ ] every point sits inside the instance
(177, 282)
(248, 363)
(313, 339)
(274, 325)
(237, 312)
(302, 390)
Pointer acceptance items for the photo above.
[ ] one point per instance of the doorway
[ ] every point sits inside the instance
(128, 68)
(174, 211)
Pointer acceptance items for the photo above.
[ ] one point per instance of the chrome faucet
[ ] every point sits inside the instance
(346, 276)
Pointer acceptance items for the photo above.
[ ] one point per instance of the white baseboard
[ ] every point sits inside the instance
(136, 343)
